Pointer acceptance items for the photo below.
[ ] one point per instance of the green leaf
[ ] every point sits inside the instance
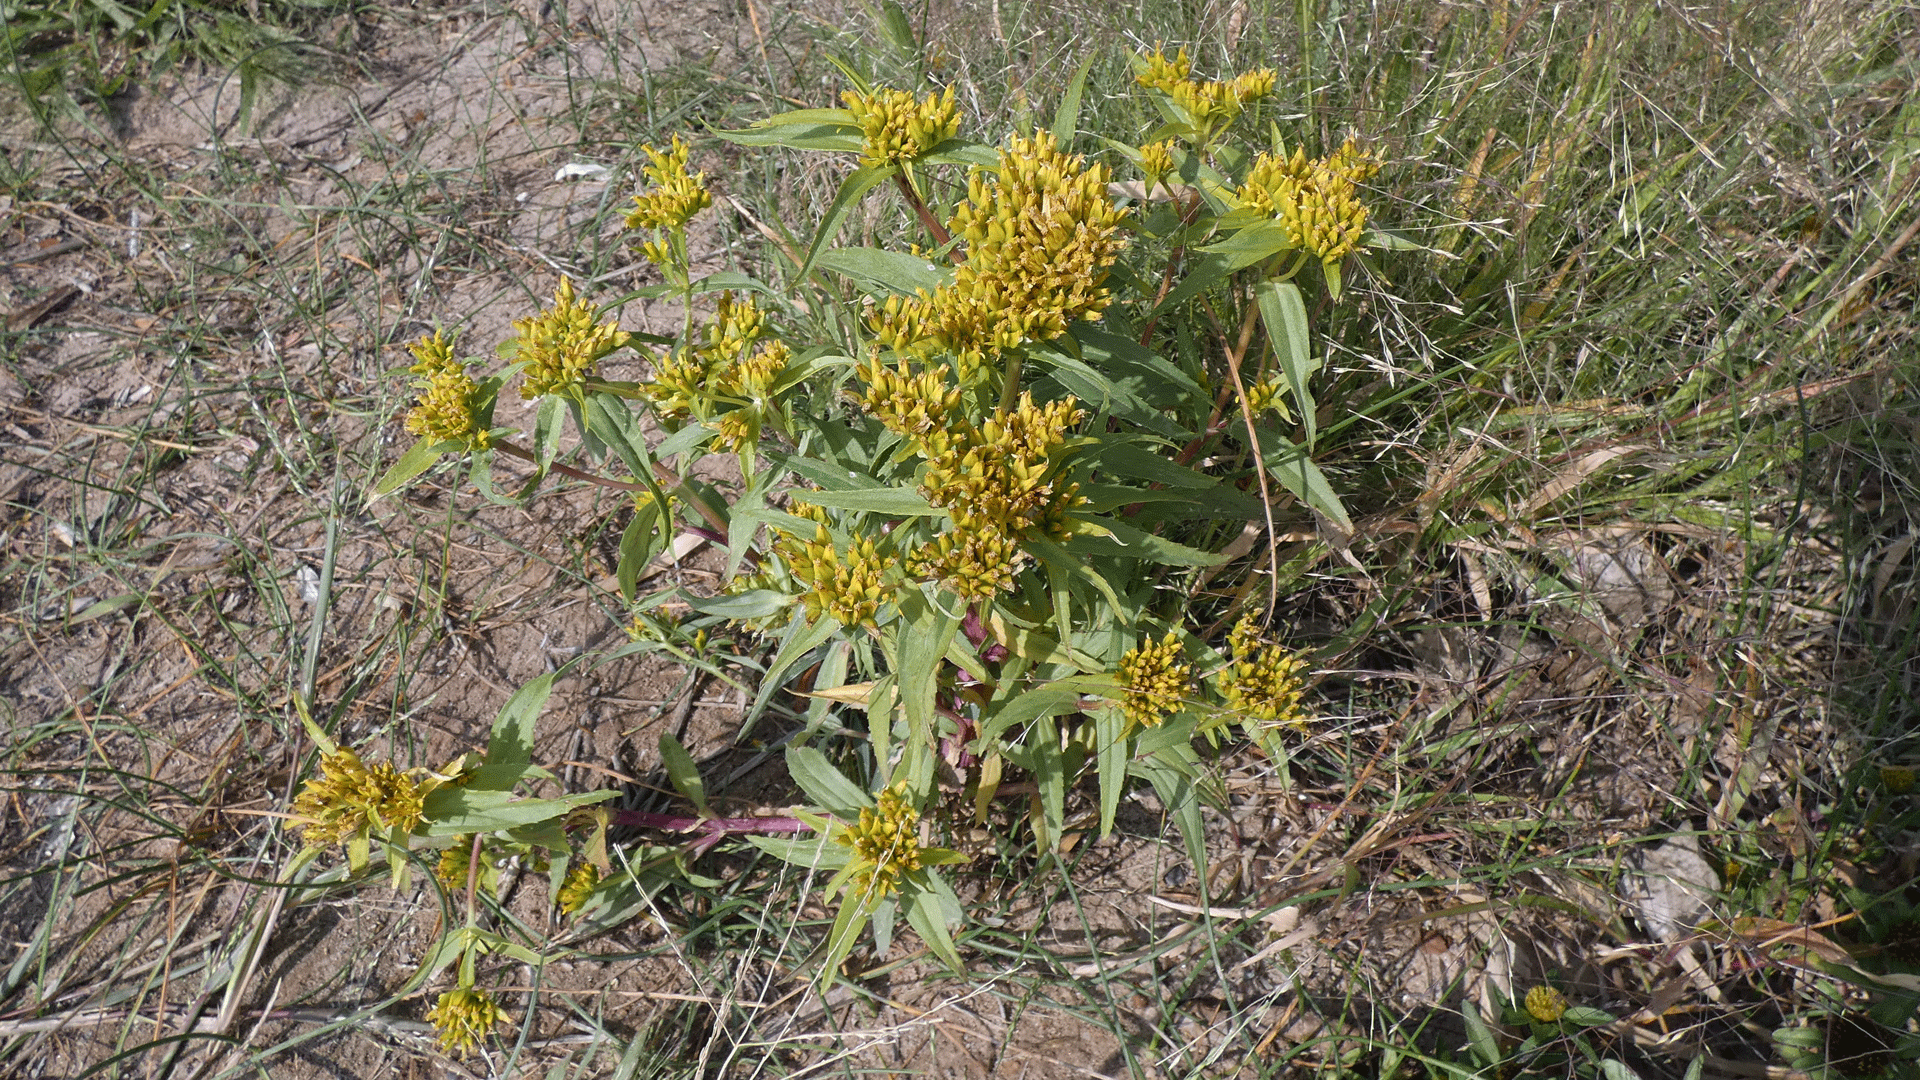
(683, 772)
(922, 647)
(1285, 314)
(815, 852)
(845, 934)
(825, 785)
(801, 639)
(1486, 1048)
(892, 501)
(1096, 388)
(962, 152)
(884, 272)
(1047, 699)
(502, 777)
(1049, 767)
(1582, 1016)
(418, 459)
(930, 923)
(1141, 544)
(899, 32)
(752, 604)
(1203, 273)
(857, 184)
(611, 421)
(1066, 119)
(809, 117)
(108, 606)
(1172, 781)
(1393, 241)
(512, 740)
(799, 136)
(1053, 555)
(1110, 731)
(1253, 244)
(1298, 474)
(454, 810)
(639, 543)
(1139, 368)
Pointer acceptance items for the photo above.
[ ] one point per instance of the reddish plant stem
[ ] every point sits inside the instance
(941, 237)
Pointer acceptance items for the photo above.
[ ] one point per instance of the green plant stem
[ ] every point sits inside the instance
(667, 477)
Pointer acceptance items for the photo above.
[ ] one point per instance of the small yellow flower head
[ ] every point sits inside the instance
(1253, 85)
(753, 377)
(1546, 1004)
(562, 344)
(1263, 681)
(1154, 679)
(736, 430)
(896, 128)
(910, 405)
(1210, 105)
(886, 840)
(998, 475)
(1317, 200)
(1156, 160)
(1162, 73)
(582, 879)
(455, 864)
(676, 196)
(433, 355)
(736, 325)
(349, 799)
(463, 1018)
(849, 588)
(976, 561)
(1041, 233)
(1264, 395)
(445, 410)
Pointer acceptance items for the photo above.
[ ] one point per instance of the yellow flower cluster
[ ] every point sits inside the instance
(582, 879)
(676, 196)
(455, 865)
(885, 843)
(561, 345)
(1546, 1004)
(848, 587)
(726, 364)
(1040, 233)
(1264, 395)
(445, 410)
(996, 483)
(1316, 199)
(1210, 105)
(1263, 681)
(464, 1018)
(1156, 160)
(909, 405)
(349, 799)
(896, 128)
(1154, 679)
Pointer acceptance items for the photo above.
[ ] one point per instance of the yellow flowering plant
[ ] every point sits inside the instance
(979, 472)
